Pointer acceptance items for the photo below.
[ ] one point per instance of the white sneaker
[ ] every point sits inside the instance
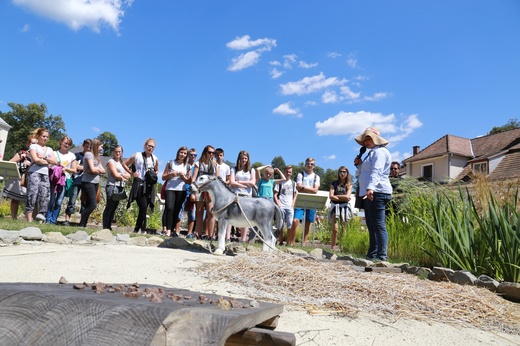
(40, 217)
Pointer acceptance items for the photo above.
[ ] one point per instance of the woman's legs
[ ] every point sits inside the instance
(110, 208)
(90, 191)
(142, 204)
(169, 207)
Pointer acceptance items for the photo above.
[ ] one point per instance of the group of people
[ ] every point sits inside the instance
(43, 193)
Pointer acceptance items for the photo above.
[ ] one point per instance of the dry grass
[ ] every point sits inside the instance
(334, 288)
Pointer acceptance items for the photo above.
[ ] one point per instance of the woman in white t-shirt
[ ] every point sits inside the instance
(67, 161)
(243, 179)
(118, 174)
(38, 185)
(176, 174)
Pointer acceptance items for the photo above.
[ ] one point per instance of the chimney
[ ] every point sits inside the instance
(416, 149)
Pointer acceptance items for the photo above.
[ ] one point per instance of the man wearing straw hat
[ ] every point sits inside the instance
(375, 189)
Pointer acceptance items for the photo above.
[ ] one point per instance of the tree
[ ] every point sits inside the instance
(511, 125)
(24, 120)
(327, 178)
(278, 162)
(109, 142)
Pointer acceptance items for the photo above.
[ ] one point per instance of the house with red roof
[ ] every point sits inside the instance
(452, 158)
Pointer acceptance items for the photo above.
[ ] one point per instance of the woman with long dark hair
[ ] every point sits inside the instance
(339, 194)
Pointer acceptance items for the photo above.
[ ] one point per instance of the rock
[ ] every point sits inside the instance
(103, 236)
(233, 249)
(177, 243)
(80, 237)
(441, 274)
(199, 245)
(317, 253)
(296, 252)
(487, 282)
(346, 258)
(31, 233)
(330, 256)
(463, 277)
(9, 237)
(123, 238)
(139, 241)
(155, 241)
(56, 238)
(63, 280)
(510, 290)
(423, 273)
(362, 262)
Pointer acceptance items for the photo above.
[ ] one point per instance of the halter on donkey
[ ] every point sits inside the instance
(239, 211)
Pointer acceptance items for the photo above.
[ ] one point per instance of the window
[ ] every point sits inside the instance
(427, 172)
(480, 167)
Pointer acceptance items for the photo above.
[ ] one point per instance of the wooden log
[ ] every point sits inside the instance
(261, 337)
(53, 314)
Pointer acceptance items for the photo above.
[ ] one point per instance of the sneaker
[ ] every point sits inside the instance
(190, 236)
(66, 223)
(40, 217)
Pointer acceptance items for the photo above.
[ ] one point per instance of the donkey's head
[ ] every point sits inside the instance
(202, 183)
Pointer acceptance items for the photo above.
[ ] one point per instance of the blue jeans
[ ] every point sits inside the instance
(376, 223)
(55, 204)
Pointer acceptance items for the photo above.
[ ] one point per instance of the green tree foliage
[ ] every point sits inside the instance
(279, 162)
(24, 120)
(327, 178)
(511, 125)
(109, 142)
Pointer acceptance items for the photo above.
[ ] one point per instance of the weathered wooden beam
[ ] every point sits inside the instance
(261, 337)
(53, 314)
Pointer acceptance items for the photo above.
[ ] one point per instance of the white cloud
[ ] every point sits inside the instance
(329, 157)
(275, 73)
(329, 96)
(348, 93)
(286, 109)
(305, 65)
(352, 62)
(80, 13)
(245, 42)
(309, 85)
(333, 55)
(289, 60)
(96, 129)
(244, 61)
(377, 96)
(25, 28)
(311, 103)
(275, 63)
(352, 124)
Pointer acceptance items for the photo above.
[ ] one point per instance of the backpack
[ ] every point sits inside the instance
(280, 188)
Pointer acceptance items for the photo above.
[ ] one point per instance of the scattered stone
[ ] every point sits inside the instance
(223, 304)
(31, 233)
(330, 255)
(56, 238)
(138, 241)
(63, 281)
(487, 282)
(155, 241)
(104, 236)
(317, 253)
(441, 274)
(9, 237)
(123, 238)
(362, 262)
(423, 272)
(296, 252)
(80, 237)
(463, 277)
(510, 290)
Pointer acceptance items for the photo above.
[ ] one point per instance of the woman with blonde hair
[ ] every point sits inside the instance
(38, 184)
(92, 169)
(68, 163)
(339, 194)
(145, 166)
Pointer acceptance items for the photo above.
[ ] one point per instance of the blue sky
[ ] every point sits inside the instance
(295, 78)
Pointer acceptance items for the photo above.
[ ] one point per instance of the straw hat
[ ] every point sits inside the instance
(373, 133)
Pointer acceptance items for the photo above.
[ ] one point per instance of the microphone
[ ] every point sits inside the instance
(361, 152)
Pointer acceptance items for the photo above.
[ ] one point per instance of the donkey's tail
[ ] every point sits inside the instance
(279, 217)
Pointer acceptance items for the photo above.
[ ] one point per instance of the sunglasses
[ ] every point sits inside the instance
(150, 146)
(194, 155)
(342, 172)
(394, 169)
(309, 164)
(211, 152)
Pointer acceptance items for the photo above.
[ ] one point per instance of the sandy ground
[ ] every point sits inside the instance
(174, 268)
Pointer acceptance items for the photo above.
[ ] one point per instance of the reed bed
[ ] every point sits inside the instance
(332, 287)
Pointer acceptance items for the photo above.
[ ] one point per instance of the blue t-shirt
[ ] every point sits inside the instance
(265, 188)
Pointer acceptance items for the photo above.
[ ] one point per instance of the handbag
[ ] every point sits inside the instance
(163, 190)
(119, 193)
(69, 187)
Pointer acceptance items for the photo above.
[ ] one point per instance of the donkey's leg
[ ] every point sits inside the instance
(222, 225)
(269, 239)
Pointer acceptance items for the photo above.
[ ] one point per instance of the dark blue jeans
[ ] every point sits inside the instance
(55, 204)
(110, 208)
(376, 223)
(90, 191)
